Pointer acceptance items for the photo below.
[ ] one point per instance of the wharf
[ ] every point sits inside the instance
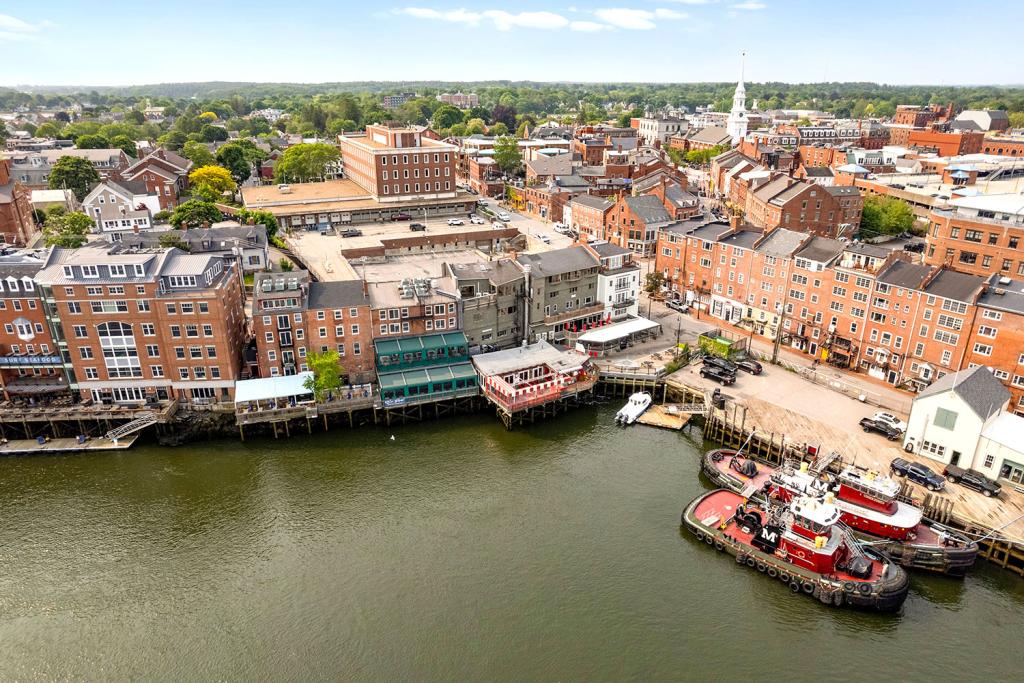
(30, 446)
(668, 416)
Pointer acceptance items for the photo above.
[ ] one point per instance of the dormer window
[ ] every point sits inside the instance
(12, 285)
(90, 271)
(28, 284)
(140, 270)
(117, 270)
(69, 272)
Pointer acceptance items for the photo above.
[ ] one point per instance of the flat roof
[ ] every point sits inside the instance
(616, 331)
(404, 378)
(531, 355)
(271, 387)
(423, 342)
(328, 190)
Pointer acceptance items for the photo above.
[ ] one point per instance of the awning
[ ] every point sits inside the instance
(610, 333)
(272, 387)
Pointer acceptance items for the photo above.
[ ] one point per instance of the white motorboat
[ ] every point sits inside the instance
(634, 408)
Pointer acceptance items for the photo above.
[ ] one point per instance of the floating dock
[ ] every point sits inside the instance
(29, 446)
(668, 416)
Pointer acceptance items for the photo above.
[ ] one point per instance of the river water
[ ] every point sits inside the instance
(455, 551)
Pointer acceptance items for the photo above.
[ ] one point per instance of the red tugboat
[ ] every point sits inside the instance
(868, 503)
(801, 543)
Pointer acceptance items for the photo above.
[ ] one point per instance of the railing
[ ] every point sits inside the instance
(525, 401)
(426, 398)
(570, 315)
(135, 425)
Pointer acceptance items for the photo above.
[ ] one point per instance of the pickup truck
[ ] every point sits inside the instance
(917, 473)
(972, 479)
(883, 428)
(713, 372)
(721, 364)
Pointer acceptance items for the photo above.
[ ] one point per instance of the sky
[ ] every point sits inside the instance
(117, 42)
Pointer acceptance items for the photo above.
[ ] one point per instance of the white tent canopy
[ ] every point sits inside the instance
(271, 387)
(610, 333)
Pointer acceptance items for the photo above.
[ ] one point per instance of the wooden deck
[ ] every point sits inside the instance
(30, 446)
(665, 417)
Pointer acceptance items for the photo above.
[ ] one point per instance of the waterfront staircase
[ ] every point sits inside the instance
(138, 424)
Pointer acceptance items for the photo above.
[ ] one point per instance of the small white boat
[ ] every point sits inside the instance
(634, 408)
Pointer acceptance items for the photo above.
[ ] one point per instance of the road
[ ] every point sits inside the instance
(533, 228)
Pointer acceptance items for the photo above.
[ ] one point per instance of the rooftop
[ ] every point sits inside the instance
(950, 284)
(559, 261)
(978, 388)
(529, 356)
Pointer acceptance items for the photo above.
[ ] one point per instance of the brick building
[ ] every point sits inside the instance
(396, 162)
(17, 225)
(946, 144)
(30, 362)
(633, 223)
(293, 317)
(978, 235)
(135, 325)
(589, 215)
(805, 207)
(162, 173)
(414, 307)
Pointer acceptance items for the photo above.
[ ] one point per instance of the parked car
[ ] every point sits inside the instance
(401, 217)
(417, 227)
(972, 479)
(562, 228)
(544, 238)
(721, 363)
(678, 305)
(890, 419)
(717, 374)
(883, 428)
(918, 473)
(476, 220)
(504, 216)
(497, 224)
(351, 232)
(456, 221)
(749, 365)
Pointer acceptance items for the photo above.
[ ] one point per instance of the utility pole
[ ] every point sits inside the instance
(778, 330)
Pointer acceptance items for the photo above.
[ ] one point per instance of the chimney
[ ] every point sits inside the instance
(735, 221)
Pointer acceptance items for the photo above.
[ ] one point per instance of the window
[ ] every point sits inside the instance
(945, 418)
(91, 373)
(119, 351)
(172, 309)
(211, 351)
(933, 448)
(983, 349)
(143, 305)
(80, 331)
(157, 371)
(204, 307)
(74, 307)
(187, 308)
(148, 330)
(85, 352)
(207, 330)
(191, 330)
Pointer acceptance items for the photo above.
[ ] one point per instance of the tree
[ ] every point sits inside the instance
(654, 281)
(48, 130)
(327, 372)
(258, 217)
(499, 129)
(207, 117)
(446, 116)
(885, 216)
(209, 133)
(74, 173)
(476, 127)
(504, 114)
(233, 158)
(67, 229)
(211, 182)
(126, 144)
(286, 265)
(194, 213)
(507, 154)
(198, 154)
(304, 162)
(1016, 120)
(92, 142)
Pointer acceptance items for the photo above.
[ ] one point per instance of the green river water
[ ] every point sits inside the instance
(456, 551)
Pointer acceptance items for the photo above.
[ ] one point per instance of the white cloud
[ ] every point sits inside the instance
(13, 29)
(749, 6)
(505, 21)
(588, 26)
(691, 2)
(630, 19)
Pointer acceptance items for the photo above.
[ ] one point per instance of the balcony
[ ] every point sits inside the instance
(556, 318)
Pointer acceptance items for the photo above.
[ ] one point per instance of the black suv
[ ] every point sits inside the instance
(917, 473)
(417, 227)
(972, 479)
(749, 365)
(718, 374)
(720, 363)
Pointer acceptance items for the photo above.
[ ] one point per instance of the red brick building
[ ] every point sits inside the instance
(1003, 146)
(980, 235)
(17, 225)
(163, 173)
(589, 215)
(293, 317)
(414, 307)
(946, 144)
(396, 162)
(805, 207)
(146, 323)
(30, 363)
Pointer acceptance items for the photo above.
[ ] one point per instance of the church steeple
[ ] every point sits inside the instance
(736, 124)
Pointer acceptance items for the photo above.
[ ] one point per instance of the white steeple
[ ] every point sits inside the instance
(736, 124)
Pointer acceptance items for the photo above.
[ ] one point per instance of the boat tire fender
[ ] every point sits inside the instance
(808, 587)
(864, 588)
(739, 558)
(751, 562)
(709, 539)
(719, 545)
(784, 577)
(849, 586)
(794, 586)
(761, 567)
(773, 572)
(837, 599)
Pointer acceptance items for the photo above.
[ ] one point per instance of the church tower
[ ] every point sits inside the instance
(736, 124)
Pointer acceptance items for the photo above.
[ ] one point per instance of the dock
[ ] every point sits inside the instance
(667, 416)
(60, 445)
